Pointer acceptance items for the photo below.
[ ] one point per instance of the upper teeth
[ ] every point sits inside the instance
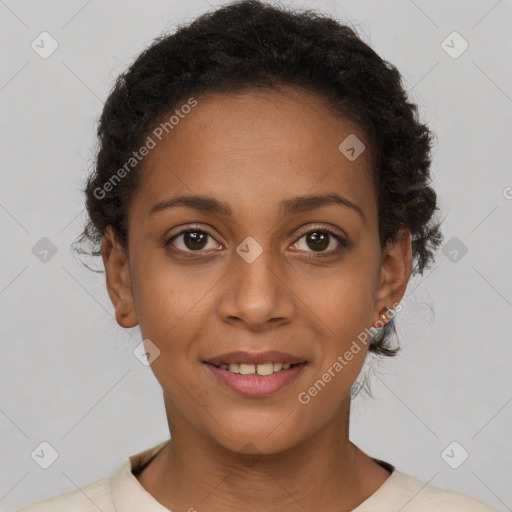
(260, 369)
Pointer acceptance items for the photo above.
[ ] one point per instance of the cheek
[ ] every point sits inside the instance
(329, 389)
(344, 304)
(343, 299)
(168, 299)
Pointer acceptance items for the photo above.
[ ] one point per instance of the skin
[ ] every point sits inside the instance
(252, 150)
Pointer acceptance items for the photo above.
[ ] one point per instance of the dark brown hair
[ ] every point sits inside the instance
(253, 44)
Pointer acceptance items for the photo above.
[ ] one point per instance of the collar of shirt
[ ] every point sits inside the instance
(128, 494)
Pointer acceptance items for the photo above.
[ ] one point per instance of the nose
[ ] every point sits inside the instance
(256, 294)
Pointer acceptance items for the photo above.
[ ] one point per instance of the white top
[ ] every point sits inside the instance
(122, 492)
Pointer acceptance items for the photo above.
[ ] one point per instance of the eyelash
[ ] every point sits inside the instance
(341, 240)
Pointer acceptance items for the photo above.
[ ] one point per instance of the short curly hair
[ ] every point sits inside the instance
(248, 44)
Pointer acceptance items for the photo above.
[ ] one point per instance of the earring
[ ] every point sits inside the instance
(383, 316)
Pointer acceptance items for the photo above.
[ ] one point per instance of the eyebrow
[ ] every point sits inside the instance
(287, 207)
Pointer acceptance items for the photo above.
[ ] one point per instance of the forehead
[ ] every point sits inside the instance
(255, 148)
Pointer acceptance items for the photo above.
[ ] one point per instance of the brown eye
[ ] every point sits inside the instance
(191, 240)
(194, 239)
(319, 240)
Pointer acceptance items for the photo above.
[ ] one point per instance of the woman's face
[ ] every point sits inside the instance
(256, 275)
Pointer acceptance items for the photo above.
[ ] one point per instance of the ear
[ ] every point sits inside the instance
(395, 273)
(118, 280)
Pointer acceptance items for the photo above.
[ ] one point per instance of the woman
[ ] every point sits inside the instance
(260, 200)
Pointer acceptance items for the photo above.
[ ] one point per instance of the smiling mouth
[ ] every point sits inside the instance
(254, 379)
(262, 369)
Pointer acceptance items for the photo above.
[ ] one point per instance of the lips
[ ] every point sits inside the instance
(255, 374)
(255, 358)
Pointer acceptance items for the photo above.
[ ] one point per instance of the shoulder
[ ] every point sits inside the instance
(119, 491)
(423, 497)
(89, 498)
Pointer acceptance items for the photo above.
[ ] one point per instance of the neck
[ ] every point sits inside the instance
(324, 472)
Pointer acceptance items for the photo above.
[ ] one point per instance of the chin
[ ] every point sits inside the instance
(261, 437)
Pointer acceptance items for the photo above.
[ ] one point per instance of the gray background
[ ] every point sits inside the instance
(68, 375)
